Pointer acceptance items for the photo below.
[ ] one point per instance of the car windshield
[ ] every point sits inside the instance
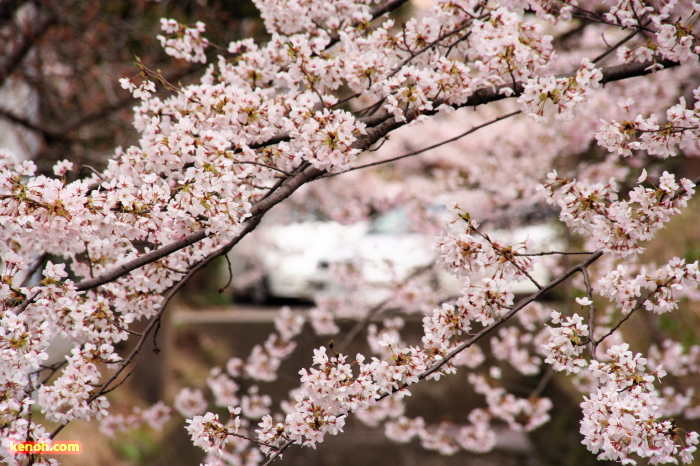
(395, 221)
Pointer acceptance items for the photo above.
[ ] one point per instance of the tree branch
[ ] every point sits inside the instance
(480, 97)
(388, 7)
(383, 124)
(425, 149)
(284, 191)
(551, 285)
(619, 43)
(28, 40)
(250, 226)
(49, 136)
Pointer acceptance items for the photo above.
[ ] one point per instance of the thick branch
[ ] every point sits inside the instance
(140, 261)
(480, 97)
(283, 192)
(387, 7)
(250, 226)
(49, 136)
(382, 125)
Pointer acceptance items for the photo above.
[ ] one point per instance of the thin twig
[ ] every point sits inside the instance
(619, 43)
(506, 257)
(126, 377)
(53, 368)
(34, 268)
(251, 439)
(550, 253)
(230, 274)
(263, 165)
(638, 306)
(281, 449)
(359, 325)
(419, 151)
(543, 382)
(478, 336)
(92, 169)
(551, 285)
(591, 311)
(614, 329)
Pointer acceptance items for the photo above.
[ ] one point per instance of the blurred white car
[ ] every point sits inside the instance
(291, 261)
(296, 260)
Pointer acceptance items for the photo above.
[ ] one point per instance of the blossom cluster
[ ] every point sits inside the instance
(261, 365)
(622, 417)
(154, 416)
(184, 42)
(665, 286)
(474, 255)
(564, 93)
(332, 390)
(519, 413)
(671, 40)
(564, 347)
(681, 130)
(617, 225)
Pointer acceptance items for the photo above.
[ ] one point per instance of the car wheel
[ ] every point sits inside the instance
(259, 292)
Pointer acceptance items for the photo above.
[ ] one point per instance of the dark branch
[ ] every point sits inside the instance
(284, 191)
(49, 136)
(561, 278)
(373, 135)
(28, 39)
(425, 149)
(551, 285)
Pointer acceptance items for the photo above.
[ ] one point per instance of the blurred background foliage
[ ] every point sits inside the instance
(61, 61)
